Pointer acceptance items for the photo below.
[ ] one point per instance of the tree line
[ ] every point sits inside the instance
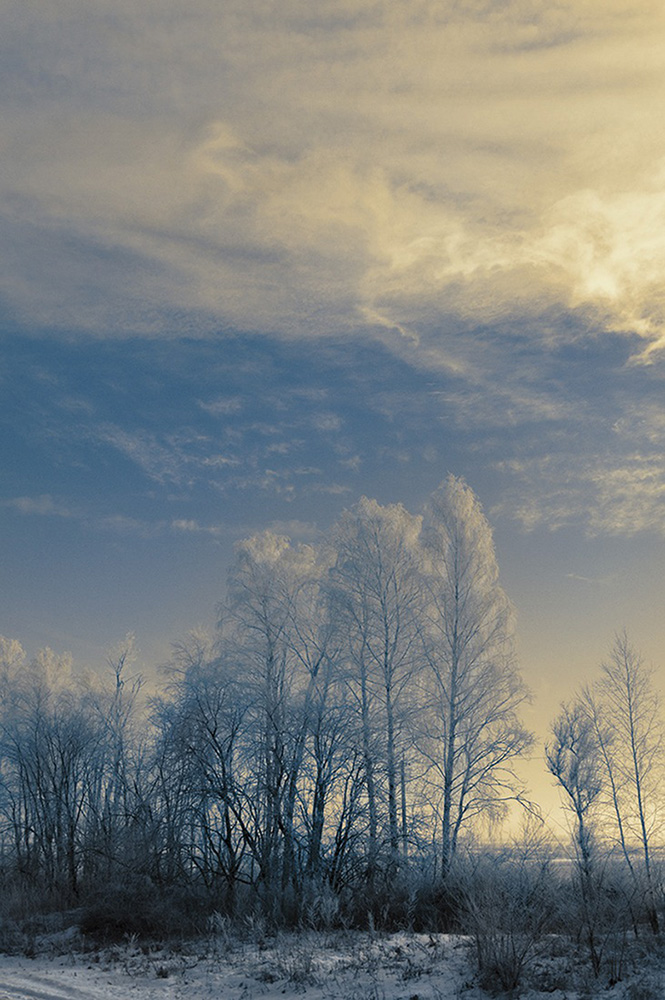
(329, 755)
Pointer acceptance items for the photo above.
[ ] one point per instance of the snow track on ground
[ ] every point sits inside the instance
(24, 986)
(17, 982)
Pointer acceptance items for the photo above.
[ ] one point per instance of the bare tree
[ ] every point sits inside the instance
(574, 758)
(113, 701)
(198, 764)
(50, 746)
(375, 598)
(629, 730)
(472, 690)
(277, 623)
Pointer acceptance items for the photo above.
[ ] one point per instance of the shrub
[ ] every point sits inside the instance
(143, 910)
(508, 902)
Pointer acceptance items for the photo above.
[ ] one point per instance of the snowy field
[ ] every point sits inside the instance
(326, 966)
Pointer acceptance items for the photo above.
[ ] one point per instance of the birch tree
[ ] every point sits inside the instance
(472, 688)
(574, 758)
(629, 730)
(278, 623)
(375, 596)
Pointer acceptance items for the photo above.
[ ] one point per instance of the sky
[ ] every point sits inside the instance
(260, 259)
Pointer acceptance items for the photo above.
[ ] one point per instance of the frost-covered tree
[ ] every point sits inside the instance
(276, 621)
(626, 711)
(49, 745)
(375, 593)
(471, 734)
(574, 759)
(68, 769)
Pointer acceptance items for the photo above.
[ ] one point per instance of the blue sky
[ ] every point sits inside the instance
(261, 259)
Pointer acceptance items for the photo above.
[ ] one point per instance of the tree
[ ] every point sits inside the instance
(199, 774)
(574, 759)
(629, 731)
(277, 624)
(50, 746)
(375, 598)
(113, 701)
(472, 688)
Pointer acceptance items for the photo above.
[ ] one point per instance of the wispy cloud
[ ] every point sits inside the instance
(42, 506)
(334, 489)
(116, 523)
(222, 406)
(329, 422)
(595, 581)
(159, 462)
(621, 496)
(190, 526)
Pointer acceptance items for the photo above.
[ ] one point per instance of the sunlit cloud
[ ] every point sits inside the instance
(619, 496)
(359, 170)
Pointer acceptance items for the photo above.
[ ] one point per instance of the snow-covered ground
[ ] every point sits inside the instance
(322, 966)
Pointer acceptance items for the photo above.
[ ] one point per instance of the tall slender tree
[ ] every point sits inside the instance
(632, 740)
(472, 686)
(375, 598)
(278, 622)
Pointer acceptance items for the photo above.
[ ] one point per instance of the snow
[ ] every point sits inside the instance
(314, 966)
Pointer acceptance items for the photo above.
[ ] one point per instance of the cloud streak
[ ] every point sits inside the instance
(620, 496)
(41, 506)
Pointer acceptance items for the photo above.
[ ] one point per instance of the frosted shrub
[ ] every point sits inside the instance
(507, 901)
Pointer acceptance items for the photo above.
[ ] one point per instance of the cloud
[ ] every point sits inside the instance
(42, 506)
(193, 527)
(327, 422)
(596, 581)
(602, 466)
(606, 495)
(223, 406)
(334, 489)
(295, 529)
(46, 506)
(186, 524)
(159, 462)
(362, 168)
(476, 185)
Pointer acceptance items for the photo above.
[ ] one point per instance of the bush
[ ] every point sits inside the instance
(145, 911)
(508, 900)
